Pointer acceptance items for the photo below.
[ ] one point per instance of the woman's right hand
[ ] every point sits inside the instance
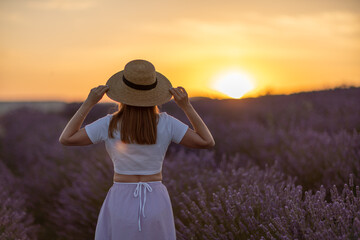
(96, 94)
(180, 97)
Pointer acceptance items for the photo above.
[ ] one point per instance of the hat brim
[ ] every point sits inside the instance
(120, 92)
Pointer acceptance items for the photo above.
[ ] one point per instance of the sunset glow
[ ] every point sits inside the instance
(60, 49)
(234, 84)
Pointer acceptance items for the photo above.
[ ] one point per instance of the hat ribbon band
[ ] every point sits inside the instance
(138, 86)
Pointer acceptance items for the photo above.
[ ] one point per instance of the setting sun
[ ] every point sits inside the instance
(233, 84)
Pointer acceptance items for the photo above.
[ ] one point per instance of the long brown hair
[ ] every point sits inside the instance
(136, 124)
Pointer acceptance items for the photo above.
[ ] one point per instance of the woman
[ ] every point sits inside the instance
(136, 137)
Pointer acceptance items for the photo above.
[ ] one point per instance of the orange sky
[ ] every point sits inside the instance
(59, 50)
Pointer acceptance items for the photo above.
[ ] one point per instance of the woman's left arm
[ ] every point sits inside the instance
(72, 135)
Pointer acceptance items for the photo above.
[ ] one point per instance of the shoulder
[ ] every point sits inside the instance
(109, 116)
(106, 119)
(166, 118)
(103, 121)
(98, 130)
(170, 120)
(165, 115)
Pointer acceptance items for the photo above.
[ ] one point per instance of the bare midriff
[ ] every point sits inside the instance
(137, 178)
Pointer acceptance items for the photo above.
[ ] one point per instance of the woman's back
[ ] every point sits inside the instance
(137, 159)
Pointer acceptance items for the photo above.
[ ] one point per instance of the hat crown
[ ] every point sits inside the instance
(140, 72)
(139, 85)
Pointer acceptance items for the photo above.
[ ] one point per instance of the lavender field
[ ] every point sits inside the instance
(284, 167)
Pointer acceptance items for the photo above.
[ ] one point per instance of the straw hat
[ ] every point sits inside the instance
(139, 85)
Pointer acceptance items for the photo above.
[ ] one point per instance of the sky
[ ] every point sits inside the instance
(59, 50)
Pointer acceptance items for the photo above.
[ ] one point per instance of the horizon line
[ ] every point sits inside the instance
(343, 87)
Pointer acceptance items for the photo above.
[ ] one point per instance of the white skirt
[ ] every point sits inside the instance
(134, 211)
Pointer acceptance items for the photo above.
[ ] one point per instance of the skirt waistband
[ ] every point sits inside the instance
(136, 182)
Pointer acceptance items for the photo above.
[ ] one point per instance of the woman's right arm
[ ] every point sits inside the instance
(72, 135)
(200, 137)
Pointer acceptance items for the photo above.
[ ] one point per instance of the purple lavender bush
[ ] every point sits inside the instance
(250, 203)
(78, 204)
(284, 167)
(15, 223)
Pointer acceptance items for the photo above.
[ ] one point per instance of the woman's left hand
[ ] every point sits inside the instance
(96, 94)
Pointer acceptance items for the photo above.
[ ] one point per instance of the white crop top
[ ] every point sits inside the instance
(136, 159)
